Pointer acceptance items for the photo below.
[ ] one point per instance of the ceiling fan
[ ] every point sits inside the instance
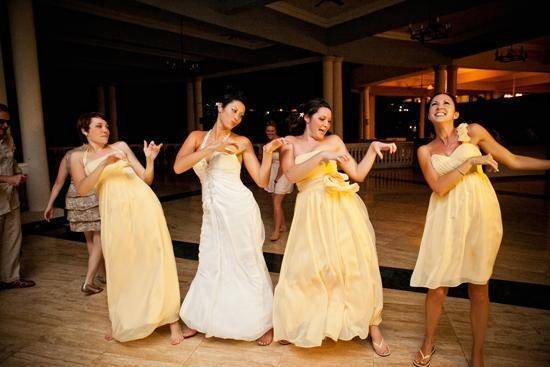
(337, 2)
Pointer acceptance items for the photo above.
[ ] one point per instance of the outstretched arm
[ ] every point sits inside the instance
(503, 155)
(358, 172)
(62, 174)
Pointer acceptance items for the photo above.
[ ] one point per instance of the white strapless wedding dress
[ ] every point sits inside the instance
(231, 295)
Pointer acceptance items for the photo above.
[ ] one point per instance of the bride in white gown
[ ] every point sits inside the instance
(231, 295)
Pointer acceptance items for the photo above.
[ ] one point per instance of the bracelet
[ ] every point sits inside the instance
(459, 171)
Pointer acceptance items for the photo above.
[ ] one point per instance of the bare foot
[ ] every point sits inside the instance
(266, 339)
(188, 332)
(176, 335)
(275, 235)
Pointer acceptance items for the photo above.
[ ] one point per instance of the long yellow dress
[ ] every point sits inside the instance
(330, 284)
(463, 228)
(142, 280)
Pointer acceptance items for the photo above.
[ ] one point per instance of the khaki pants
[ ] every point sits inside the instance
(10, 235)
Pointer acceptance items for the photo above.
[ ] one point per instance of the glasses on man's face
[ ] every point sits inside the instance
(2, 121)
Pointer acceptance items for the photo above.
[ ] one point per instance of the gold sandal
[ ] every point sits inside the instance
(426, 359)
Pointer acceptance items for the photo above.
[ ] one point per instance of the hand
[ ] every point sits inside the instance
(16, 180)
(151, 150)
(224, 147)
(335, 156)
(48, 213)
(485, 160)
(379, 147)
(274, 144)
(114, 157)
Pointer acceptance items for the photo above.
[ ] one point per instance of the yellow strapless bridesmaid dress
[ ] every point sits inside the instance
(330, 284)
(463, 229)
(142, 280)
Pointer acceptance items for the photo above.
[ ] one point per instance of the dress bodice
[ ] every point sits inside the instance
(121, 168)
(220, 164)
(444, 164)
(324, 175)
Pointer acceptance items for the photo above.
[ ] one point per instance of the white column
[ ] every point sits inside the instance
(337, 107)
(29, 100)
(3, 93)
(113, 113)
(328, 79)
(198, 103)
(101, 99)
(190, 107)
(422, 118)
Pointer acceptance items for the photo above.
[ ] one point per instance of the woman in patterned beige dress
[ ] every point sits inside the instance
(83, 216)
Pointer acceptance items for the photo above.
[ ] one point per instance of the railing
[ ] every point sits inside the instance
(164, 162)
(401, 159)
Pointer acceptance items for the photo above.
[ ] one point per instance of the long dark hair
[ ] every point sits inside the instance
(296, 120)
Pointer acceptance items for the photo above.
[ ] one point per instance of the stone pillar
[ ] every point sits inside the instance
(198, 103)
(372, 120)
(113, 114)
(422, 118)
(101, 98)
(3, 92)
(361, 122)
(439, 79)
(337, 107)
(452, 75)
(368, 113)
(190, 107)
(29, 100)
(328, 79)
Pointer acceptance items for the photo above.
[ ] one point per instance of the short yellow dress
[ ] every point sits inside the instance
(330, 284)
(463, 229)
(142, 280)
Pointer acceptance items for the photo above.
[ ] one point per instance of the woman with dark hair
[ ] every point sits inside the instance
(278, 185)
(231, 295)
(142, 279)
(83, 216)
(330, 284)
(463, 225)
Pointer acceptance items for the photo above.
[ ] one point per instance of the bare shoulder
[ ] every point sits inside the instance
(122, 145)
(424, 150)
(476, 129)
(241, 140)
(335, 141)
(74, 156)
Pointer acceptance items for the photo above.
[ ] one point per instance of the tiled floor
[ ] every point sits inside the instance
(53, 324)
